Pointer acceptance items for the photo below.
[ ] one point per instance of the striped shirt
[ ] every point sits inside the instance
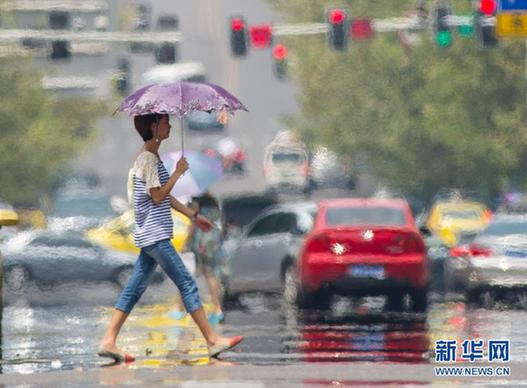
(152, 222)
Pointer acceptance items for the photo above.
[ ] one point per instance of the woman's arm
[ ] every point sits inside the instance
(178, 206)
(158, 194)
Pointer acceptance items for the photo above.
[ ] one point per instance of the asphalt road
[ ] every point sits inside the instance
(354, 342)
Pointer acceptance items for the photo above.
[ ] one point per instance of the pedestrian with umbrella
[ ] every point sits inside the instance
(208, 250)
(152, 185)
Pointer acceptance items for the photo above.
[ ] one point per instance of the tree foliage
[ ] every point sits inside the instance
(421, 117)
(40, 134)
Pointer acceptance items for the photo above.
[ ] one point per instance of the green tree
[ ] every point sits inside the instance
(40, 134)
(422, 117)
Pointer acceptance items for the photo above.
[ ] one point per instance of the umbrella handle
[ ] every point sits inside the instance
(182, 137)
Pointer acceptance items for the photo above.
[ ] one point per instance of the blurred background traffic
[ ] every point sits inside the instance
(371, 200)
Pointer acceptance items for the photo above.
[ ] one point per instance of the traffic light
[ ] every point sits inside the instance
(122, 79)
(488, 7)
(238, 33)
(280, 60)
(60, 49)
(442, 28)
(485, 29)
(338, 30)
(167, 52)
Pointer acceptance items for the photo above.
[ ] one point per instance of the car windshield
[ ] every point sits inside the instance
(505, 228)
(284, 157)
(201, 115)
(93, 207)
(354, 216)
(471, 214)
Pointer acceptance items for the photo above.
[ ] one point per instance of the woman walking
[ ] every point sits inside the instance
(208, 250)
(153, 231)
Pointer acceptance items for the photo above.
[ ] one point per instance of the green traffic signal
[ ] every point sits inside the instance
(444, 38)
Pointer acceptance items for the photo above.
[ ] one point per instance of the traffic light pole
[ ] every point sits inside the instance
(379, 25)
(15, 35)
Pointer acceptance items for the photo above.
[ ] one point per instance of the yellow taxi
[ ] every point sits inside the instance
(117, 234)
(449, 220)
(8, 215)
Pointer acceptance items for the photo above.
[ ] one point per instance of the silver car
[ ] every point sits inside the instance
(496, 260)
(268, 246)
(49, 258)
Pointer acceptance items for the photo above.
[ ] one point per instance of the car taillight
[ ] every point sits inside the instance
(266, 171)
(318, 244)
(413, 244)
(459, 251)
(471, 250)
(406, 243)
(479, 250)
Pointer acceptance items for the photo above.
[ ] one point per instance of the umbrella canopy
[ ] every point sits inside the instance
(202, 173)
(179, 99)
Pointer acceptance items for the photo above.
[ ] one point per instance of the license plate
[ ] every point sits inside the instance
(367, 271)
(516, 254)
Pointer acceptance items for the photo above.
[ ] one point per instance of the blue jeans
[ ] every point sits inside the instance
(162, 253)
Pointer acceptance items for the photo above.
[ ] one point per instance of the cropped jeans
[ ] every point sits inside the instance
(162, 253)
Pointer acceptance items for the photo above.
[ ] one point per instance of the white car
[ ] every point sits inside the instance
(184, 71)
(495, 261)
(286, 164)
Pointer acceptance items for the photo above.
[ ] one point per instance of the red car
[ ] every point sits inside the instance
(363, 247)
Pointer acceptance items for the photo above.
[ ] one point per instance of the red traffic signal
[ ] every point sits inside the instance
(337, 16)
(280, 65)
(488, 7)
(361, 28)
(280, 52)
(338, 28)
(237, 24)
(261, 36)
(238, 36)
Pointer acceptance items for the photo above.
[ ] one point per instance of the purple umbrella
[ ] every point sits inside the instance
(203, 172)
(179, 99)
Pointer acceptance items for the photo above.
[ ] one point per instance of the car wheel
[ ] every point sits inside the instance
(292, 291)
(420, 300)
(487, 299)
(522, 299)
(322, 300)
(122, 275)
(394, 301)
(473, 296)
(290, 288)
(16, 279)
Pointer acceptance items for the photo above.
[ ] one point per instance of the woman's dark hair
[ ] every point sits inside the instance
(207, 200)
(143, 124)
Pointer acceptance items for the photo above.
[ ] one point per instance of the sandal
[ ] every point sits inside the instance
(117, 357)
(215, 350)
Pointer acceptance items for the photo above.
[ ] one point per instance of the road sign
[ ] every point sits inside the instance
(512, 5)
(511, 25)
